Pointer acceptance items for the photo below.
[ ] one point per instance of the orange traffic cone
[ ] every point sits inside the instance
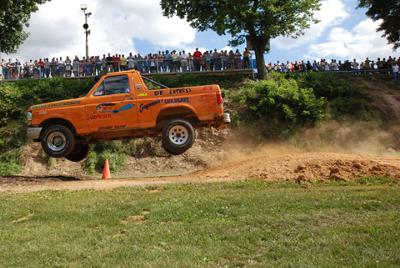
(106, 171)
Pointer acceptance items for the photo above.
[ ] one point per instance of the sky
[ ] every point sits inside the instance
(123, 26)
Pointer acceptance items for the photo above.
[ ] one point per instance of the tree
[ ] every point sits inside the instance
(14, 16)
(258, 20)
(389, 12)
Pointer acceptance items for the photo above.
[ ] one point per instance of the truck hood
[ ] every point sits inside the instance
(57, 104)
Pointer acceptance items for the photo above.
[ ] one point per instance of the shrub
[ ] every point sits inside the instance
(280, 105)
(10, 96)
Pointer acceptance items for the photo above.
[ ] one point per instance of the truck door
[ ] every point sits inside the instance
(112, 106)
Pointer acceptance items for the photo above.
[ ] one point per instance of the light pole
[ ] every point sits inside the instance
(86, 27)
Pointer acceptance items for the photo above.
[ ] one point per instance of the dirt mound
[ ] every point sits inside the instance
(297, 165)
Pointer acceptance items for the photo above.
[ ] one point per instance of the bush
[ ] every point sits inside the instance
(280, 105)
(10, 98)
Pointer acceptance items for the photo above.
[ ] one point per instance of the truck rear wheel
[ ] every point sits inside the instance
(79, 153)
(178, 136)
(58, 141)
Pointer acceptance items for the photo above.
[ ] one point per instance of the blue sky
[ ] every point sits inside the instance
(122, 26)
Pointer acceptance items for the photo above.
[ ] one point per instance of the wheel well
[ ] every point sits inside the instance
(58, 121)
(177, 112)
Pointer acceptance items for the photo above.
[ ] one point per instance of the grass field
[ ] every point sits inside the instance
(250, 223)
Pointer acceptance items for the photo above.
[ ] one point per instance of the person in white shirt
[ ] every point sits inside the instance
(355, 65)
(131, 62)
(326, 67)
(184, 61)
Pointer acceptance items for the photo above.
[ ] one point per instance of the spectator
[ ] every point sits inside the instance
(75, 66)
(61, 67)
(191, 65)
(47, 69)
(216, 60)
(207, 57)
(109, 63)
(4, 66)
(246, 59)
(160, 62)
(168, 61)
(124, 63)
(175, 62)
(184, 61)
(197, 56)
(238, 60)
(41, 68)
(395, 71)
(68, 67)
(131, 62)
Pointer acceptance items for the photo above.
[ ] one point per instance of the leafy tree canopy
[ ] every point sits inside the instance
(389, 12)
(259, 20)
(14, 16)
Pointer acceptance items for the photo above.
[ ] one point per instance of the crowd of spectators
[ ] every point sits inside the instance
(166, 61)
(161, 62)
(390, 65)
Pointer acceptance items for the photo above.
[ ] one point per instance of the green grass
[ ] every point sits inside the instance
(207, 225)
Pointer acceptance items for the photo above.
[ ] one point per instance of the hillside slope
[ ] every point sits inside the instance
(367, 144)
(330, 145)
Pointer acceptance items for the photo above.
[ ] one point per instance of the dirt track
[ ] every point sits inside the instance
(267, 164)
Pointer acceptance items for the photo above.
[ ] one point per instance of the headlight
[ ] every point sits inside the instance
(29, 116)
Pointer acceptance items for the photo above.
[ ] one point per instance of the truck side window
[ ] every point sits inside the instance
(99, 91)
(113, 85)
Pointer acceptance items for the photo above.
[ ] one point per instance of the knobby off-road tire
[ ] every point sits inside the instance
(178, 136)
(58, 141)
(79, 153)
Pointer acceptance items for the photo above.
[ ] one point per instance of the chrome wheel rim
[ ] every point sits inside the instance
(178, 135)
(56, 141)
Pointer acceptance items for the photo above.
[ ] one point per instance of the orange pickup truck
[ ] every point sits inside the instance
(126, 105)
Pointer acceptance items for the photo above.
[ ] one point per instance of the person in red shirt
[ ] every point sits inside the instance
(41, 68)
(116, 62)
(197, 57)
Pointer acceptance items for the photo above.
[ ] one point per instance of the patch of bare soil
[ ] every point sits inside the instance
(269, 163)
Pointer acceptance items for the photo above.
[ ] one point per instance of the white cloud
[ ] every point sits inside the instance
(332, 12)
(56, 29)
(360, 42)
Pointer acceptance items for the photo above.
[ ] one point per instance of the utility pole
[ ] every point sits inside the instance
(86, 27)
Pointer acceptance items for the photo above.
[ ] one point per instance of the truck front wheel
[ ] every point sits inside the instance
(79, 153)
(58, 141)
(178, 136)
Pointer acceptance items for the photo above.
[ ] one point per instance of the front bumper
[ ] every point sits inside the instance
(34, 132)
